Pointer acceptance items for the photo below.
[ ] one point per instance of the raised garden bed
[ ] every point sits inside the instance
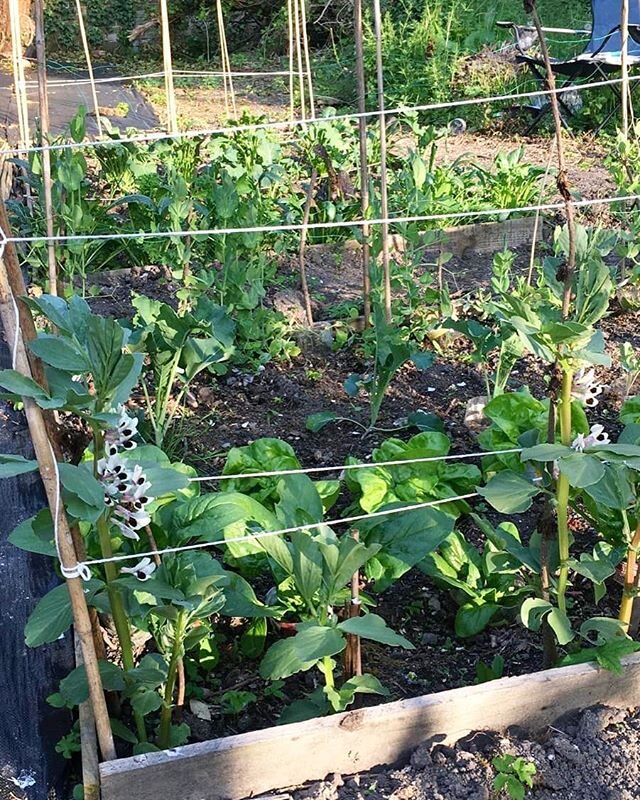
(249, 764)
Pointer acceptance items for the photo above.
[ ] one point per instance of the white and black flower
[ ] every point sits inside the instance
(143, 570)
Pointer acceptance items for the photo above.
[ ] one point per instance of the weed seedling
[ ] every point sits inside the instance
(514, 775)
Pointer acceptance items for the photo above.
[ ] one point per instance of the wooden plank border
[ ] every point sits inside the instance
(248, 764)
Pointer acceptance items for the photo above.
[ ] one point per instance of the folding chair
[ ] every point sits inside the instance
(600, 59)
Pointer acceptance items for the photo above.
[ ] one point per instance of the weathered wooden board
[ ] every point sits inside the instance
(489, 237)
(251, 763)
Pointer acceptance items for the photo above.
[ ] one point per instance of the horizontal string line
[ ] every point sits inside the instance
(342, 467)
(178, 73)
(358, 223)
(283, 531)
(274, 125)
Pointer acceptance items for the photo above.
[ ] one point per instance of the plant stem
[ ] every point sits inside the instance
(164, 399)
(164, 731)
(562, 490)
(629, 590)
(116, 603)
(328, 672)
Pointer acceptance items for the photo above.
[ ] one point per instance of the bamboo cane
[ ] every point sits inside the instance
(48, 472)
(626, 94)
(384, 191)
(353, 652)
(229, 92)
(18, 72)
(172, 116)
(303, 244)
(292, 99)
(298, 37)
(87, 55)
(364, 161)
(88, 743)
(43, 103)
(624, 66)
(307, 60)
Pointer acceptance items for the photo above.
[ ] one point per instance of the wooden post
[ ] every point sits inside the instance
(48, 472)
(87, 54)
(172, 116)
(364, 161)
(43, 102)
(384, 193)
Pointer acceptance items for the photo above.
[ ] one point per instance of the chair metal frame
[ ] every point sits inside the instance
(599, 60)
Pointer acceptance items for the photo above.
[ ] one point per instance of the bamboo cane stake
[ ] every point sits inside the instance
(624, 66)
(298, 36)
(43, 103)
(229, 92)
(292, 99)
(307, 60)
(172, 116)
(303, 244)
(87, 54)
(630, 581)
(353, 652)
(384, 191)
(88, 743)
(364, 161)
(625, 93)
(18, 73)
(48, 472)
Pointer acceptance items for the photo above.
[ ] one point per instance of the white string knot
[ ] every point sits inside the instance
(80, 570)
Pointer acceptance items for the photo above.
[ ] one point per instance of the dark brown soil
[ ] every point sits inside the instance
(587, 756)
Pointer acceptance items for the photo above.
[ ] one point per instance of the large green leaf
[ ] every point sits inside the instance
(52, 615)
(614, 490)
(230, 515)
(21, 386)
(84, 495)
(581, 470)
(509, 493)
(545, 452)
(74, 689)
(472, 618)
(373, 627)
(35, 534)
(404, 540)
(12, 465)
(60, 353)
(301, 652)
(307, 565)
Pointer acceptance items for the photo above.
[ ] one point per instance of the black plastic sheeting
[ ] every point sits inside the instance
(113, 99)
(30, 769)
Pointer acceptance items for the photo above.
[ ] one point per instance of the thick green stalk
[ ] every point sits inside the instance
(328, 672)
(164, 731)
(118, 611)
(562, 491)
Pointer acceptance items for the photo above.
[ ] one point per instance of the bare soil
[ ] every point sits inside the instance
(591, 755)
